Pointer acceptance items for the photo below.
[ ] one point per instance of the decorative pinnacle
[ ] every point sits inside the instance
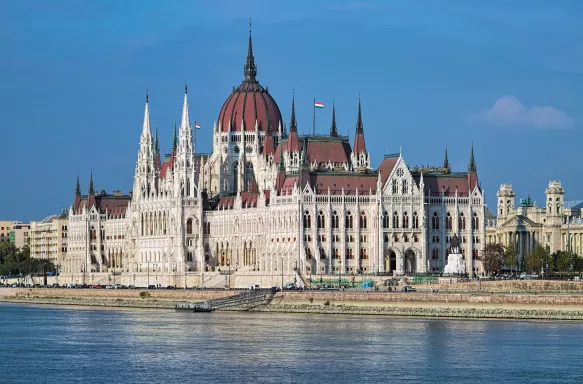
(250, 67)
(446, 161)
(78, 187)
(333, 130)
(91, 190)
(359, 125)
(185, 87)
(472, 166)
(293, 127)
(146, 95)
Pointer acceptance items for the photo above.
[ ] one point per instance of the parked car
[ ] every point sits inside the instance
(408, 288)
(254, 287)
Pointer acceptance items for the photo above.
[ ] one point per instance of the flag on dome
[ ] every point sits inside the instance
(318, 104)
(196, 126)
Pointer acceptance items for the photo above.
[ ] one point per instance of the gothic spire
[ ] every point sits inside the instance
(293, 127)
(91, 190)
(250, 67)
(157, 144)
(333, 130)
(446, 167)
(146, 127)
(78, 187)
(174, 142)
(359, 126)
(472, 166)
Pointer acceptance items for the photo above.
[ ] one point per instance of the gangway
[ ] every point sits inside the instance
(244, 300)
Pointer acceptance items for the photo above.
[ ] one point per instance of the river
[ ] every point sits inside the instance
(50, 344)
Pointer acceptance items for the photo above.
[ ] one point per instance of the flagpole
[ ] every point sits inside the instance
(314, 119)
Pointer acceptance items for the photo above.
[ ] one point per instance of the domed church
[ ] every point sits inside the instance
(269, 206)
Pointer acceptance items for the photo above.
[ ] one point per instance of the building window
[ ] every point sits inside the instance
(189, 227)
(415, 220)
(307, 220)
(448, 221)
(321, 220)
(349, 254)
(335, 220)
(385, 220)
(395, 220)
(405, 220)
(336, 254)
(405, 188)
(395, 187)
(462, 222)
(363, 220)
(435, 221)
(435, 254)
(476, 222)
(349, 220)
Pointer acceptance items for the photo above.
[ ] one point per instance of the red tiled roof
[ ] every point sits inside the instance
(248, 200)
(268, 146)
(249, 102)
(324, 151)
(386, 167)
(114, 206)
(436, 184)
(364, 183)
(168, 163)
(359, 145)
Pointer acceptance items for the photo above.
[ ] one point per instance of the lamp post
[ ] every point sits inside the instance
(282, 273)
(148, 270)
(339, 273)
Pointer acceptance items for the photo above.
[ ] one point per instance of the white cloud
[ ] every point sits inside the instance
(509, 111)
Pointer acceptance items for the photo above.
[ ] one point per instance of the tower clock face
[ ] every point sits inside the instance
(400, 172)
(248, 149)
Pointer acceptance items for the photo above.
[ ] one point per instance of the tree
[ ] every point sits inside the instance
(511, 259)
(537, 258)
(493, 257)
(562, 261)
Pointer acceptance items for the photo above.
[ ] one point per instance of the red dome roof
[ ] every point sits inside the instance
(250, 103)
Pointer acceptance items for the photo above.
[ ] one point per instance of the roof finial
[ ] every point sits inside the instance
(446, 167)
(146, 95)
(472, 166)
(78, 187)
(359, 126)
(91, 190)
(333, 130)
(293, 127)
(250, 67)
(185, 87)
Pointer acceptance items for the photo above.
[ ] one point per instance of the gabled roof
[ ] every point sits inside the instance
(114, 206)
(386, 166)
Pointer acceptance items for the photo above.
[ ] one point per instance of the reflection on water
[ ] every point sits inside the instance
(59, 344)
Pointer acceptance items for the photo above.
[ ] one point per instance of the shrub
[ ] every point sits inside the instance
(311, 300)
(144, 294)
(327, 302)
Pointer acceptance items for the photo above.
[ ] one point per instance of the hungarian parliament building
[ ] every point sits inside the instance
(268, 203)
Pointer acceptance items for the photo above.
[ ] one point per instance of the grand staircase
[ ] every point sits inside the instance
(243, 301)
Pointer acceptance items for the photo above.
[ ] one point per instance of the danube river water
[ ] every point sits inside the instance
(48, 344)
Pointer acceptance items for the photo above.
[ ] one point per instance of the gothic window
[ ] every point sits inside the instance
(335, 220)
(448, 221)
(405, 188)
(321, 220)
(435, 254)
(188, 187)
(435, 221)
(415, 220)
(395, 187)
(307, 220)
(558, 208)
(249, 176)
(405, 220)
(462, 222)
(349, 220)
(476, 222)
(349, 254)
(235, 176)
(395, 220)
(363, 220)
(363, 254)
(189, 226)
(385, 219)
(336, 253)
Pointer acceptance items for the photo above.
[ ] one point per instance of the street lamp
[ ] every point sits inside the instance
(339, 273)
(282, 273)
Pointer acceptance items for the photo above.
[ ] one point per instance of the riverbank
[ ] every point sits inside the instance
(469, 305)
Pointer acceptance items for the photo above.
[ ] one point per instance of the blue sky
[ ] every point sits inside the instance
(505, 75)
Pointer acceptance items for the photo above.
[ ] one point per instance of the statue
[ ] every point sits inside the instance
(455, 244)
(455, 260)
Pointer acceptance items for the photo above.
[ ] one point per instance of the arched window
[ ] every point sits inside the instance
(321, 220)
(188, 187)
(235, 176)
(335, 220)
(385, 220)
(462, 222)
(395, 219)
(395, 187)
(435, 254)
(307, 220)
(405, 220)
(363, 220)
(415, 220)
(349, 220)
(476, 222)
(249, 176)
(405, 187)
(448, 221)
(189, 226)
(435, 221)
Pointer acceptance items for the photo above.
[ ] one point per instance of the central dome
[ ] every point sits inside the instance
(250, 103)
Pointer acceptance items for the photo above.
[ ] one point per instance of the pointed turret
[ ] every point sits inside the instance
(157, 144)
(446, 167)
(146, 126)
(333, 129)
(359, 145)
(293, 126)
(78, 188)
(472, 166)
(250, 67)
(174, 140)
(91, 189)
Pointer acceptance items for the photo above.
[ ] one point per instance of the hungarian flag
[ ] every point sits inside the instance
(196, 126)
(318, 104)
